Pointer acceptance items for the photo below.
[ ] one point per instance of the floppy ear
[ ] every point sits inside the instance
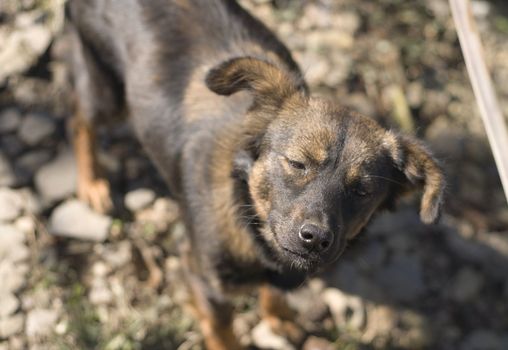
(269, 84)
(420, 170)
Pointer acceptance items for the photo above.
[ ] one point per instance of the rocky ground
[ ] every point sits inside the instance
(70, 278)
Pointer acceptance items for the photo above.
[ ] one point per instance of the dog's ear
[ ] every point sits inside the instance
(419, 170)
(269, 84)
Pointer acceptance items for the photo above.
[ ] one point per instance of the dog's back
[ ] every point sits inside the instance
(152, 57)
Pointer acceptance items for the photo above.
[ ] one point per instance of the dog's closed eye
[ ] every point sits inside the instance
(296, 164)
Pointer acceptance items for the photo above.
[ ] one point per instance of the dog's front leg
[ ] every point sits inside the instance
(92, 189)
(214, 314)
(279, 315)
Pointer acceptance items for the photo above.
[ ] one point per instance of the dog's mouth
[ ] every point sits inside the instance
(308, 262)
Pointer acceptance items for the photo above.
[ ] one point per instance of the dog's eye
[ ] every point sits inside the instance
(361, 190)
(296, 165)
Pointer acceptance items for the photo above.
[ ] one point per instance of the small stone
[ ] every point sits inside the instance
(57, 180)
(100, 294)
(263, 337)
(13, 276)
(347, 310)
(25, 224)
(347, 21)
(19, 254)
(162, 213)
(466, 285)
(31, 203)
(139, 199)
(6, 173)
(413, 332)
(480, 8)
(10, 326)
(35, 128)
(315, 343)
(75, 220)
(10, 238)
(9, 120)
(119, 254)
(100, 269)
(10, 204)
(414, 94)
(381, 320)
(40, 322)
(8, 305)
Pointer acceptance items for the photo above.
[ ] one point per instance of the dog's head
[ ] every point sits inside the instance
(316, 172)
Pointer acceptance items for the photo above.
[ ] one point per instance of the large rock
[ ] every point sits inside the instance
(57, 180)
(74, 219)
(35, 128)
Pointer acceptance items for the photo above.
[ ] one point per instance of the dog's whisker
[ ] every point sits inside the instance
(383, 178)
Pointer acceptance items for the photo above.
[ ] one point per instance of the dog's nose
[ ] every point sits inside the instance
(315, 238)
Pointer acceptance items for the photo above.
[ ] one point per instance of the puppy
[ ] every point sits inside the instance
(271, 181)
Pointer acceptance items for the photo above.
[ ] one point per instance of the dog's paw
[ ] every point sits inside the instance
(96, 194)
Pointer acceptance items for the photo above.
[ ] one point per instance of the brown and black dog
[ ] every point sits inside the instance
(271, 181)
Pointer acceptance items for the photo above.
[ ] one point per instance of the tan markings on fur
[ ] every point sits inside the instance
(391, 143)
(420, 165)
(92, 189)
(260, 191)
(218, 335)
(183, 4)
(231, 232)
